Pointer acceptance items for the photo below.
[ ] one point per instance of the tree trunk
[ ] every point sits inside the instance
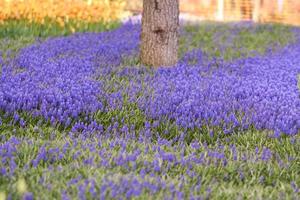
(159, 38)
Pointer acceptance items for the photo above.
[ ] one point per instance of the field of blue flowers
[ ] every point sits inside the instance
(81, 118)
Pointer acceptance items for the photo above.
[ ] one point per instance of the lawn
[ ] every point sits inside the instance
(81, 118)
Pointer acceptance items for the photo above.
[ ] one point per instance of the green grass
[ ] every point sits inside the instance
(217, 40)
(23, 28)
(225, 182)
(298, 81)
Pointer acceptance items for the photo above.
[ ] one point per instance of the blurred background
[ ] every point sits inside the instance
(97, 15)
(62, 10)
(282, 11)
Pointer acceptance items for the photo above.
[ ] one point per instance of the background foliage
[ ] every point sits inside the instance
(62, 15)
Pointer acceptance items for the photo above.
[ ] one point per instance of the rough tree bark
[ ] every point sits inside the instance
(159, 37)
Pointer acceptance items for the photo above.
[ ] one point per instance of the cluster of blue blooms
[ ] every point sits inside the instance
(67, 81)
(145, 166)
(57, 80)
(258, 91)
